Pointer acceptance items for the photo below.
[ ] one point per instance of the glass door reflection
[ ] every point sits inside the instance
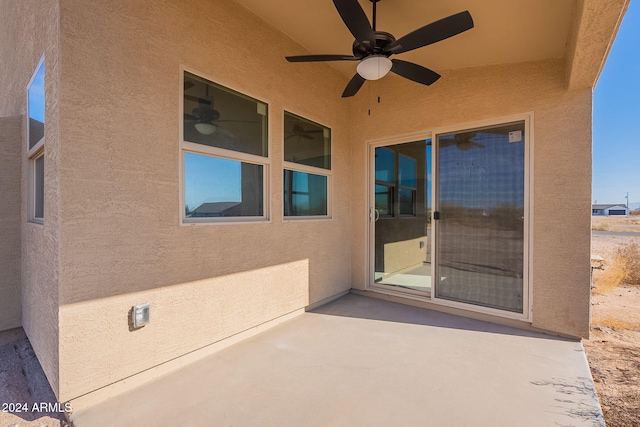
(480, 233)
(402, 227)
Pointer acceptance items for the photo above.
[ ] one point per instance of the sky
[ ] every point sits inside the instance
(616, 111)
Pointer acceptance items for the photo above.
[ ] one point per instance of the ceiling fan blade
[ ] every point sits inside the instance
(290, 136)
(353, 86)
(414, 72)
(198, 100)
(305, 136)
(356, 21)
(190, 117)
(316, 58)
(432, 33)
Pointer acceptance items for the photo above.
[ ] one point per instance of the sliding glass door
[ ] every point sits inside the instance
(448, 218)
(402, 216)
(481, 205)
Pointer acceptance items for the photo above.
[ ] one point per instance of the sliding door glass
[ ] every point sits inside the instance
(480, 233)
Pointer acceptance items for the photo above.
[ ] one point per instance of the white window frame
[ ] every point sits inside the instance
(33, 154)
(206, 150)
(298, 167)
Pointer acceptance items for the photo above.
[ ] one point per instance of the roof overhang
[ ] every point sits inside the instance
(506, 31)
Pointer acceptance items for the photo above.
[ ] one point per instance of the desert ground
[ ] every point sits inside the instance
(613, 349)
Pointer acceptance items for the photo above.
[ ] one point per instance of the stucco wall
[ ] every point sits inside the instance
(10, 221)
(29, 29)
(121, 241)
(562, 166)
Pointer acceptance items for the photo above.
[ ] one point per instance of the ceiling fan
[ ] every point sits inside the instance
(373, 48)
(299, 131)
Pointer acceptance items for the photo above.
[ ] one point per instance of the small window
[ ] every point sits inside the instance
(35, 144)
(305, 194)
(225, 153)
(307, 174)
(35, 107)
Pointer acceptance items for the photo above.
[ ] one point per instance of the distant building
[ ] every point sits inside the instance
(609, 210)
(216, 209)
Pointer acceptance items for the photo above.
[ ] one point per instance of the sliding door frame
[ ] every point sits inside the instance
(527, 313)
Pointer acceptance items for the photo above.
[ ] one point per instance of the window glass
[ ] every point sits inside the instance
(384, 200)
(385, 168)
(223, 118)
(39, 188)
(217, 187)
(306, 142)
(305, 194)
(407, 170)
(36, 107)
(406, 198)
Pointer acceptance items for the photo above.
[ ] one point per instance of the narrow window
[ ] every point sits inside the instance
(35, 144)
(224, 153)
(307, 173)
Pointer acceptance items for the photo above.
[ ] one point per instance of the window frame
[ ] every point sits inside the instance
(36, 152)
(299, 167)
(222, 153)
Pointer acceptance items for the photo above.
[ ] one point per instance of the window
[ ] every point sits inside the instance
(396, 186)
(307, 173)
(35, 144)
(224, 153)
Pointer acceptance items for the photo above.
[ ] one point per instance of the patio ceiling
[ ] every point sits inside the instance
(506, 31)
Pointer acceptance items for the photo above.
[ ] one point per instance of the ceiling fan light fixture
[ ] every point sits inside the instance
(206, 128)
(374, 67)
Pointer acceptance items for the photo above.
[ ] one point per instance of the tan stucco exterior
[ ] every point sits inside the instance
(10, 221)
(112, 235)
(30, 29)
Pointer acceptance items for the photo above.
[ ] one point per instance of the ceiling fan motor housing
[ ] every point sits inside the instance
(383, 40)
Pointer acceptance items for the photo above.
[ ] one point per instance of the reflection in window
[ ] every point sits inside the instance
(216, 187)
(407, 184)
(307, 155)
(305, 194)
(35, 144)
(384, 200)
(481, 189)
(223, 118)
(385, 165)
(225, 153)
(306, 142)
(36, 107)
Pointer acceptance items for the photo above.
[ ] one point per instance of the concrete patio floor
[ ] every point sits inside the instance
(359, 361)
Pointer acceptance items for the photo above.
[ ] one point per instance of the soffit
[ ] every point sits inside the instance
(506, 31)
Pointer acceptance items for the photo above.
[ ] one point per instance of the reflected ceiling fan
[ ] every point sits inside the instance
(204, 117)
(373, 48)
(463, 141)
(299, 131)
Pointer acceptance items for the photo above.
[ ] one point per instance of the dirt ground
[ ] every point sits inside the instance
(613, 349)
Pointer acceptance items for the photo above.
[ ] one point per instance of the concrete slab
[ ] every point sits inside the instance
(360, 361)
